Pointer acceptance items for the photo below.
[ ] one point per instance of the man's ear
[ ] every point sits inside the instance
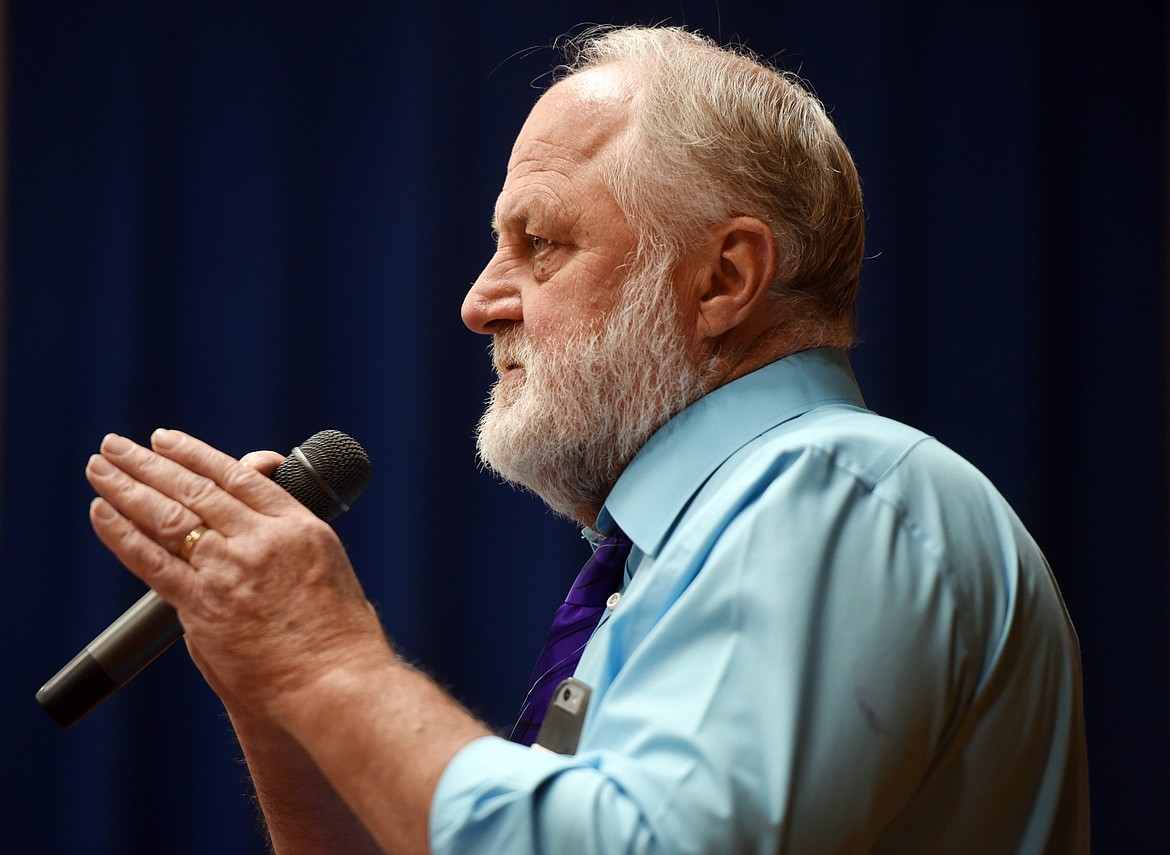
(741, 262)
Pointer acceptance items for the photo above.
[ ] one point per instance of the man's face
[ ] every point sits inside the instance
(562, 240)
(589, 351)
(586, 403)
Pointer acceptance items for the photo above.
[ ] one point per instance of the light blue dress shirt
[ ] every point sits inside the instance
(834, 636)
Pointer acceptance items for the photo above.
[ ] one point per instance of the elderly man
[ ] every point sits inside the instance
(825, 632)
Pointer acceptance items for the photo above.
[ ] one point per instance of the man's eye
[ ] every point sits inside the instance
(539, 244)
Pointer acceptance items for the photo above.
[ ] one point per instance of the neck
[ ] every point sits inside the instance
(764, 340)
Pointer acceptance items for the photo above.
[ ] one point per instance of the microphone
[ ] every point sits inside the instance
(326, 473)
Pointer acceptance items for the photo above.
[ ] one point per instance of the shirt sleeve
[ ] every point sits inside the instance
(778, 679)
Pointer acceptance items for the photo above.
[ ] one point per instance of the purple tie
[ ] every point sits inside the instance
(572, 625)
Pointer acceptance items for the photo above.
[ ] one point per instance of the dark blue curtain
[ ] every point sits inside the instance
(252, 220)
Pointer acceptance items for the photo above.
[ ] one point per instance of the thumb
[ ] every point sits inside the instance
(264, 462)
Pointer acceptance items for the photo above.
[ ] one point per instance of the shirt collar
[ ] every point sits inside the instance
(678, 459)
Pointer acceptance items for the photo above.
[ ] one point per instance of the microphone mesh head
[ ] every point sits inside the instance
(339, 461)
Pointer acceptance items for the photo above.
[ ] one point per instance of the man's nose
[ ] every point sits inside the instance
(494, 299)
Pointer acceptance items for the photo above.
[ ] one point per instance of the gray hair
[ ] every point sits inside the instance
(717, 133)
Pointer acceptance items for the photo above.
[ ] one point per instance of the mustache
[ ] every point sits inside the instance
(511, 349)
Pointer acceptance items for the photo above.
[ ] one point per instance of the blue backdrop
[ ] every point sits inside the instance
(252, 220)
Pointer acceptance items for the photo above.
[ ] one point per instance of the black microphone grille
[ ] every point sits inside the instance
(326, 473)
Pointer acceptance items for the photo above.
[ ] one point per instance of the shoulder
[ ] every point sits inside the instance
(875, 456)
(843, 481)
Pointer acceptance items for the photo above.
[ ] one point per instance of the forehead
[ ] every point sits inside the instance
(581, 114)
(564, 138)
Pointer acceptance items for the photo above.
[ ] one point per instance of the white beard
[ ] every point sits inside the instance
(582, 407)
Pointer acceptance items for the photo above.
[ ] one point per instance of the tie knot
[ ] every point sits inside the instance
(602, 573)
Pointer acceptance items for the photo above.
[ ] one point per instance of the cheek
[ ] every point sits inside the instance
(570, 305)
(548, 320)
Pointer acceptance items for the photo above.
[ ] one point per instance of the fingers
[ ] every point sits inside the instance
(146, 558)
(153, 500)
(168, 497)
(245, 484)
(169, 520)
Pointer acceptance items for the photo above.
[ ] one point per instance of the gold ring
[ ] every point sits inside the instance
(190, 540)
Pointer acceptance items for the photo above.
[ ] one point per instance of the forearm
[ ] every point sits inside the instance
(302, 812)
(381, 736)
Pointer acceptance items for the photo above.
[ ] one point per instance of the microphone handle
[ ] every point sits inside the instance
(111, 660)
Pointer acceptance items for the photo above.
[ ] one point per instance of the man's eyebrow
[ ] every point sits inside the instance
(522, 207)
(510, 219)
(526, 211)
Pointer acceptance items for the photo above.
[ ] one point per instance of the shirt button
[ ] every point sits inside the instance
(613, 600)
